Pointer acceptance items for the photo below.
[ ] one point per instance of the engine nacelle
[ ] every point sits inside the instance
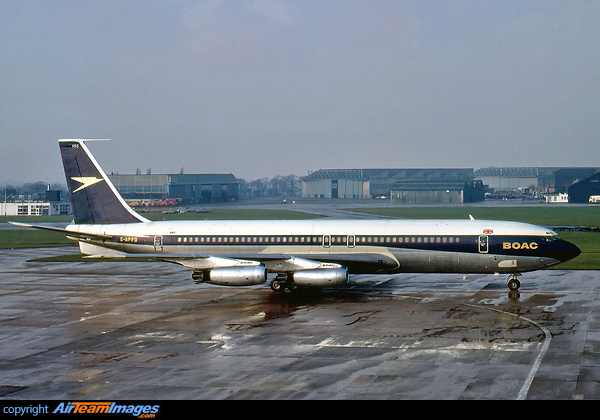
(327, 277)
(236, 276)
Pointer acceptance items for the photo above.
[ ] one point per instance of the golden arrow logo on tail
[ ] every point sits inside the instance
(86, 181)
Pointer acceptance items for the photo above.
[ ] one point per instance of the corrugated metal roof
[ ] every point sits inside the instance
(396, 173)
(202, 179)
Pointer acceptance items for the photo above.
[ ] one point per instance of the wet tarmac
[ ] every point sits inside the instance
(146, 331)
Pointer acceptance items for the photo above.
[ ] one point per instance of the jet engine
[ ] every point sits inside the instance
(232, 276)
(321, 278)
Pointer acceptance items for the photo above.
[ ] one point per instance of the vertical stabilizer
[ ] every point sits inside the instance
(95, 199)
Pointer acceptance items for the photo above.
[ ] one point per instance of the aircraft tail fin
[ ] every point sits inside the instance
(95, 199)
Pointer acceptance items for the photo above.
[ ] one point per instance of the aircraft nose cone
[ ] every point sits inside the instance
(567, 251)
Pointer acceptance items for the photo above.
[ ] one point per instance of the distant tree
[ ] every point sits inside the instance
(293, 185)
(259, 187)
(245, 189)
(277, 186)
(38, 187)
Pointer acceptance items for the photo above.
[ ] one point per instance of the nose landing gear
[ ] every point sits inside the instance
(513, 282)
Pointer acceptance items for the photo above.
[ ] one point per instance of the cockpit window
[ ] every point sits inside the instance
(551, 236)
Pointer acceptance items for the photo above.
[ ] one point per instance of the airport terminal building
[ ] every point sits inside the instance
(35, 208)
(48, 204)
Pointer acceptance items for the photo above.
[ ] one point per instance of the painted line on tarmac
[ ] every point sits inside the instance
(538, 361)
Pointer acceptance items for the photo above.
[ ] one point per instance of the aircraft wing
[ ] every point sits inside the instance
(354, 262)
(346, 259)
(207, 261)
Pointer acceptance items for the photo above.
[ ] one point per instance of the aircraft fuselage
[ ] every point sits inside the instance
(364, 246)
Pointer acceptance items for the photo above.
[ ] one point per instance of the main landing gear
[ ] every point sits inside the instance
(281, 284)
(513, 282)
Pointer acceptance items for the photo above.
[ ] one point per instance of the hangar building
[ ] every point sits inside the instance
(438, 192)
(581, 191)
(546, 179)
(455, 185)
(190, 188)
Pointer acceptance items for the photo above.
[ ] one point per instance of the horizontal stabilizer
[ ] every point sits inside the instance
(75, 234)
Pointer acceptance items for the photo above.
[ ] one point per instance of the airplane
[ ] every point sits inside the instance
(314, 253)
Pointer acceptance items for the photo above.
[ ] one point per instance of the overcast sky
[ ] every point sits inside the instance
(267, 87)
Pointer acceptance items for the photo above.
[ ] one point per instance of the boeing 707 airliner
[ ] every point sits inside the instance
(305, 253)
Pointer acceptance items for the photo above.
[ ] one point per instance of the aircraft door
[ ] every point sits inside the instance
(326, 241)
(483, 244)
(158, 243)
(351, 241)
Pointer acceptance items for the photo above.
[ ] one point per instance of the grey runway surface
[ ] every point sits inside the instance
(146, 331)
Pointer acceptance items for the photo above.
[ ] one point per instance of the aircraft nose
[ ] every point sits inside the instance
(566, 250)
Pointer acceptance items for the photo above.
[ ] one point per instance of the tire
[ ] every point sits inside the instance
(276, 286)
(514, 284)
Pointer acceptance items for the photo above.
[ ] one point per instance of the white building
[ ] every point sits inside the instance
(35, 208)
(557, 198)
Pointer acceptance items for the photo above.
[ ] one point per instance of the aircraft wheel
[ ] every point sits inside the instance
(276, 286)
(514, 284)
